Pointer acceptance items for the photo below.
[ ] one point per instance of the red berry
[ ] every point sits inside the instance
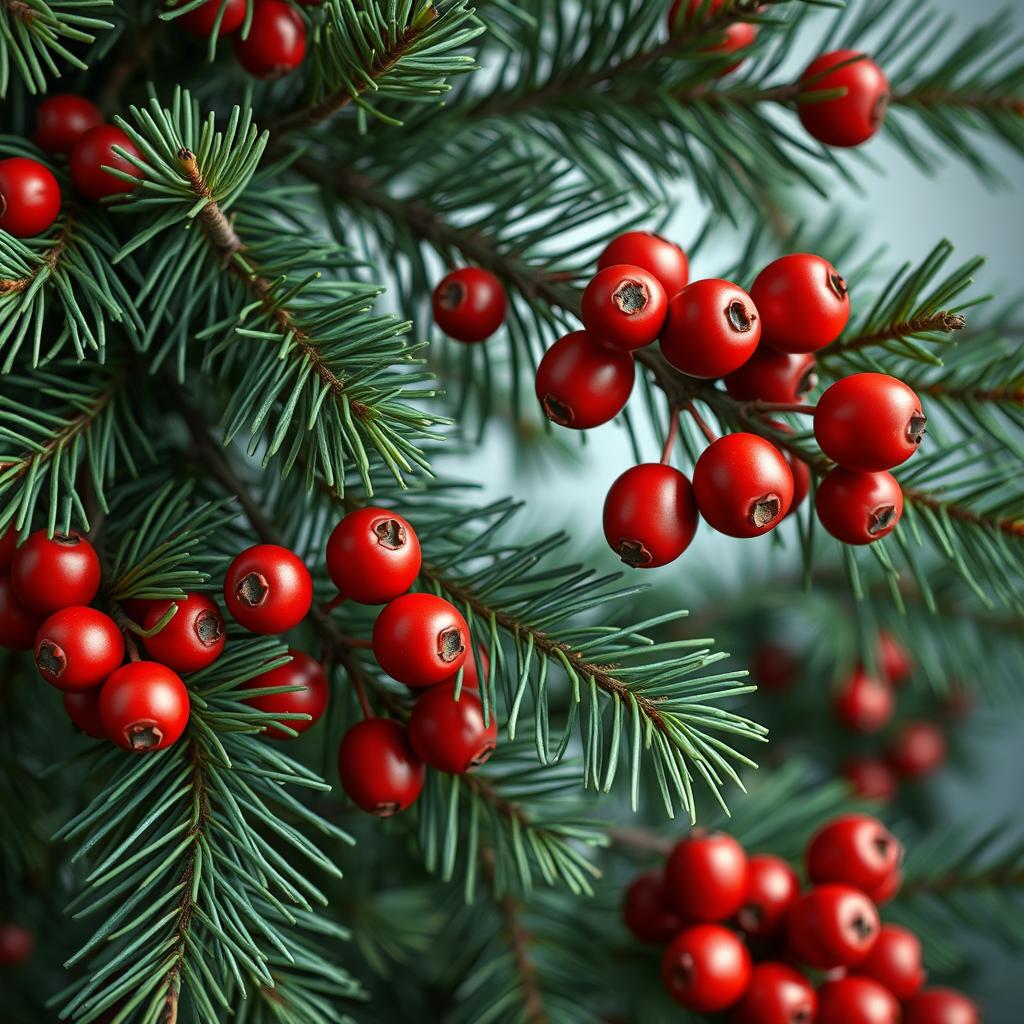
(657, 255)
(895, 962)
(941, 1006)
(8, 545)
(706, 968)
(29, 197)
(16, 944)
(268, 589)
(706, 876)
(869, 422)
(854, 1000)
(470, 304)
(803, 302)
(771, 376)
(650, 515)
(647, 910)
(276, 43)
(83, 708)
(859, 508)
(373, 555)
(849, 119)
(449, 734)
(582, 383)
(420, 639)
(801, 481)
(772, 886)
(712, 329)
(144, 706)
(200, 20)
(470, 670)
(18, 626)
(625, 306)
(92, 152)
(50, 573)
(77, 648)
(893, 659)
(62, 118)
(775, 667)
(863, 704)
(888, 889)
(378, 768)
(871, 778)
(832, 926)
(854, 849)
(918, 750)
(738, 35)
(192, 639)
(302, 671)
(777, 994)
(744, 485)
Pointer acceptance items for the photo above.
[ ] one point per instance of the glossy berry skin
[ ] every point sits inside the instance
(869, 422)
(77, 648)
(713, 328)
(449, 734)
(854, 849)
(200, 20)
(771, 376)
(470, 304)
(62, 118)
(855, 1000)
(941, 1006)
(744, 485)
(378, 768)
(50, 573)
(871, 778)
(276, 44)
(268, 589)
(193, 638)
(92, 152)
(647, 911)
(144, 706)
(83, 708)
(420, 639)
(706, 876)
(895, 962)
(850, 119)
(18, 626)
(650, 515)
(777, 994)
(16, 944)
(894, 661)
(373, 555)
(311, 700)
(859, 508)
(582, 383)
(863, 704)
(803, 302)
(775, 667)
(917, 750)
(801, 481)
(625, 306)
(657, 255)
(706, 968)
(772, 886)
(832, 926)
(29, 197)
(888, 889)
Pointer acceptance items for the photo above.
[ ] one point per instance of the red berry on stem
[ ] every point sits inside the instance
(420, 639)
(896, 962)
(302, 671)
(859, 508)
(917, 750)
(200, 20)
(832, 926)
(95, 150)
(62, 118)
(625, 306)
(854, 1000)
(893, 659)
(373, 555)
(771, 376)
(16, 944)
(83, 708)
(50, 573)
(449, 734)
(77, 648)
(276, 43)
(470, 304)
(18, 626)
(268, 589)
(706, 968)
(775, 667)
(871, 778)
(888, 889)
(738, 35)
(855, 849)
(378, 768)
(777, 994)
(853, 117)
(706, 876)
(657, 255)
(192, 639)
(29, 197)
(144, 706)
(863, 704)
(941, 1006)
(648, 912)
(772, 886)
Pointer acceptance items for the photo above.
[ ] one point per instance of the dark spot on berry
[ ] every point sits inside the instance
(483, 755)
(631, 297)
(881, 519)
(684, 970)
(450, 644)
(390, 534)
(863, 928)
(51, 659)
(750, 917)
(838, 284)
(808, 382)
(253, 589)
(916, 427)
(452, 295)
(801, 1015)
(209, 628)
(67, 540)
(143, 735)
(557, 411)
(633, 553)
(386, 810)
(765, 510)
(879, 110)
(739, 317)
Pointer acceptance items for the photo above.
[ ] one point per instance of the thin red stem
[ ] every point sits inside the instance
(701, 423)
(334, 602)
(671, 436)
(355, 642)
(360, 684)
(761, 406)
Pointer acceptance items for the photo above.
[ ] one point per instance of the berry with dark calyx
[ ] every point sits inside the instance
(8, 545)
(18, 626)
(941, 1006)
(777, 994)
(657, 255)
(311, 699)
(77, 648)
(706, 876)
(871, 778)
(855, 1000)
(83, 708)
(625, 306)
(858, 508)
(863, 704)
(582, 383)
(775, 667)
(62, 118)
(470, 304)
(268, 589)
(276, 44)
(713, 328)
(420, 639)
(192, 639)
(95, 150)
(772, 886)
(200, 20)
(706, 968)
(373, 555)
(771, 376)
(743, 484)
(449, 734)
(854, 849)
(29, 197)
(894, 661)
(650, 515)
(888, 889)
(917, 750)
(378, 768)
(832, 926)
(50, 573)
(853, 117)
(648, 912)
(895, 962)
(144, 706)
(16, 944)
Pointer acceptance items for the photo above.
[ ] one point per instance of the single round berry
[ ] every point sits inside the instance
(941, 1006)
(50, 573)
(582, 383)
(896, 962)
(16, 944)
(713, 328)
(869, 422)
(373, 555)
(743, 484)
(311, 699)
(420, 639)
(871, 778)
(775, 667)
(192, 639)
(859, 508)
(276, 43)
(650, 515)
(917, 750)
(737, 35)
(144, 706)
(95, 150)
(625, 306)
(77, 648)
(777, 994)
(888, 889)
(832, 926)
(706, 968)
(18, 626)
(863, 704)
(200, 20)
(61, 119)
(470, 304)
(854, 1000)
(378, 768)
(29, 197)
(268, 589)
(855, 849)
(771, 376)
(894, 661)
(648, 912)
(706, 876)
(657, 255)
(83, 708)
(449, 734)
(849, 119)
(772, 886)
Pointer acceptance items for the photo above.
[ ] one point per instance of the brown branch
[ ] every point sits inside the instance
(1010, 526)
(22, 11)
(12, 286)
(996, 877)
(640, 840)
(943, 321)
(1010, 395)
(954, 98)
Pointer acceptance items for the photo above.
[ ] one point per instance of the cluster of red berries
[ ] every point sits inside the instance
(740, 935)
